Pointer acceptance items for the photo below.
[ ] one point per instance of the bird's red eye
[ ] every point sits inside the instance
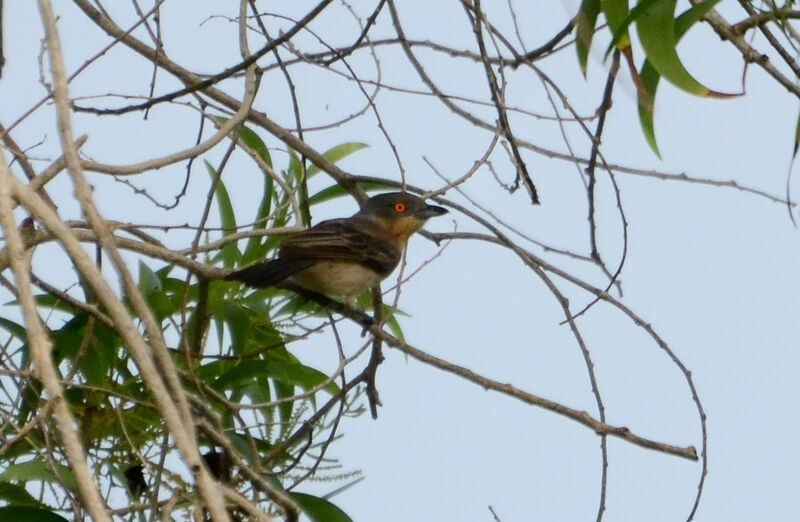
(400, 207)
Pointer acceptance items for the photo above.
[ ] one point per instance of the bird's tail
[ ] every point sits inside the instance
(268, 273)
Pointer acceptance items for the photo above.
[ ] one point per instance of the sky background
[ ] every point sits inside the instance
(714, 270)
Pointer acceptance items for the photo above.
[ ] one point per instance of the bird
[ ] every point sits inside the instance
(345, 257)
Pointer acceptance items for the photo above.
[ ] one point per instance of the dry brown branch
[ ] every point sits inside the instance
(41, 348)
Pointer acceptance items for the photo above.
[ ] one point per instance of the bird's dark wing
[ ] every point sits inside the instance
(358, 240)
(268, 273)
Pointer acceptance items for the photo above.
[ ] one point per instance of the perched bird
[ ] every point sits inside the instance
(345, 257)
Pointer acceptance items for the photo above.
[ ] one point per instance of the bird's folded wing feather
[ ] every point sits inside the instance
(357, 240)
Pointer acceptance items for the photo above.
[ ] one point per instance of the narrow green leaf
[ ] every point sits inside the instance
(319, 509)
(38, 470)
(250, 331)
(97, 366)
(282, 211)
(337, 153)
(242, 445)
(585, 21)
(646, 99)
(294, 374)
(691, 16)
(227, 217)
(68, 338)
(650, 77)
(285, 391)
(249, 377)
(616, 11)
(796, 137)
(217, 299)
(297, 169)
(15, 329)
(251, 139)
(621, 31)
(148, 280)
(31, 396)
(395, 328)
(53, 302)
(239, 325)
(163, 273)
(295, 166)
(255, 248)
(28, 514)
(307, 378)
(175, 286)
(230, 253)
(658, 35)
(342, 489)
(17, 495)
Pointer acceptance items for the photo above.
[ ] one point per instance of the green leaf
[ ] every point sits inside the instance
(242, 444)
(389, 314)
(285, 409)
(15, 329)
(54, 302)
(337, 153)
(650, 77)
(241, 330)
(217, 299)
(290, 373)
(249, 377)
(230, 253)
(248, 137)
(616, 12)
(148, 280)
(38, 470)
(67, 339)
(585, 21)
(796, 137)
(395, 328)
(250, 331)
(295, 165)
(304, 376)
(646, 99)
(28, 514)
(255, 249)
(319, 509)
(97, 365)
(31, 396)
(163, 273)
(17, 495)
(621, 31)
(658, 35)
(251, 139)
(141, 425)
(298, 172)
(151, 285)
(307, 378)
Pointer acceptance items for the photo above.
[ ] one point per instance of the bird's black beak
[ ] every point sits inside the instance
(431, 211)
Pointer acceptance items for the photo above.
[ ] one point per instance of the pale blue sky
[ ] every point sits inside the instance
(714, 270)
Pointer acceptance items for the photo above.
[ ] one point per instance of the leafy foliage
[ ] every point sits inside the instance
(659, 32)
(248, 380)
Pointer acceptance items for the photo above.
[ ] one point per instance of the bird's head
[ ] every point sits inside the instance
(400, 213)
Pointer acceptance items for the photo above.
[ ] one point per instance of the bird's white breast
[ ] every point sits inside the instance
(337, 279)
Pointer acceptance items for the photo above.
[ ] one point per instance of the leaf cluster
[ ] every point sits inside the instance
(232, 345)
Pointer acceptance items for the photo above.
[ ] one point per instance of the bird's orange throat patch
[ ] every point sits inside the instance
(402, 227)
